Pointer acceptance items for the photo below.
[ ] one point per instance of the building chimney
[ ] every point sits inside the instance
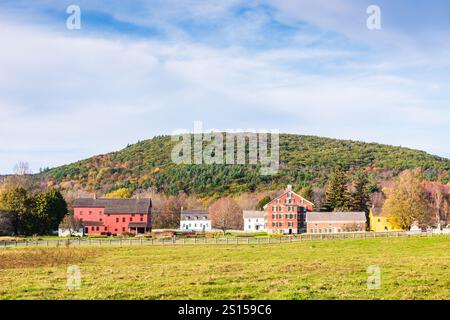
(181, 209)
(289, 187)
(95, 195)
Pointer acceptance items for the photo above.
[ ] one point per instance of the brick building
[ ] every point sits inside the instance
(113, 216)
(335, 222)
(287, 213)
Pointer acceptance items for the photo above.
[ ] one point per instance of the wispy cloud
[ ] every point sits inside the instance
(255, 64)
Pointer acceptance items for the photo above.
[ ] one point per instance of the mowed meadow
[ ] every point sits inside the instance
(411, 268)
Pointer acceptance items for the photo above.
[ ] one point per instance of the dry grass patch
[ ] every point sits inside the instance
(45, 257)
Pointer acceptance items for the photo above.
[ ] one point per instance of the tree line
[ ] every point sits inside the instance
(26, 209)
(29, 214)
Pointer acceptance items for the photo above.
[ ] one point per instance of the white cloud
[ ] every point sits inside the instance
(65, 97)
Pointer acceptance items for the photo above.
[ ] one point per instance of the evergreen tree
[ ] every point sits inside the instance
(336, 197)
(307, 192)
(263, 202)
(360, 197)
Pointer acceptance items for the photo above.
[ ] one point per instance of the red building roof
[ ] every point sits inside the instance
(116, 206)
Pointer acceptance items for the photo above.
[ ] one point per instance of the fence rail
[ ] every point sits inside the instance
(204, 241)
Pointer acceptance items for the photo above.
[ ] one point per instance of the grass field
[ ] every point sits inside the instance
(411, 268)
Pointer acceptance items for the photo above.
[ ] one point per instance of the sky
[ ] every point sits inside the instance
(136, 69)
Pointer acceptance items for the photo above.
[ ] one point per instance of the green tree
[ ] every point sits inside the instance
(15, 202)
(336, 197)
(406, 201)
(49, 208)
(360, 196)
(307, 192)
(261, 203)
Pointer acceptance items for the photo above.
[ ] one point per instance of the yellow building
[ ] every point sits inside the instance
(379, 223)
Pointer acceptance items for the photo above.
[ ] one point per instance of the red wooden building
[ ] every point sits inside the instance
(287, 213)
(113, 216)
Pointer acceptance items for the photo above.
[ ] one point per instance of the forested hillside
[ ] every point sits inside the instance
(304, 160)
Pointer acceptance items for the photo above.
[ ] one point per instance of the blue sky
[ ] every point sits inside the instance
(137, 69)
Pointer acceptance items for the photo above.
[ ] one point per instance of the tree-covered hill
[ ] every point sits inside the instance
(304, 160)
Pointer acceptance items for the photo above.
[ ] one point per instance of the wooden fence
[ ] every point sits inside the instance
(203, 241)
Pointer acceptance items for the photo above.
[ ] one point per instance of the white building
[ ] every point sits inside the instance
(254, 221)
(195, 220)
(63, 232)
